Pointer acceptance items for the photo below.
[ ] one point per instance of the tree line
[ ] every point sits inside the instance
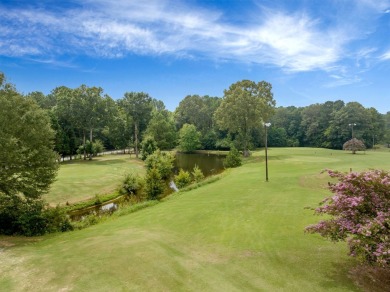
(83, 115)
(85, 120)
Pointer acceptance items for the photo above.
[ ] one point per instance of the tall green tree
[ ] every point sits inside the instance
(116, 127)
(189, 138)
(27, 160)
(348, 122)
(386, 136)
(162, 128)
(199, 111)
(245, 106)
(376, 127)
(137, 107)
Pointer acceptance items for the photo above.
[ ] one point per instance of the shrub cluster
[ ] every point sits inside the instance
(30, 217)
(360, 210)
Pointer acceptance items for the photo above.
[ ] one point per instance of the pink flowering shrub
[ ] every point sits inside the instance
(360, 210)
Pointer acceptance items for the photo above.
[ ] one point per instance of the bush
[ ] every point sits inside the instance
(182, 179)
(162, 162)
(57, 220)
(197, 174)
(154, 184)
(30, 217)
(233, 159)
(92, 149)
(132, 184)
(148, 145)
(360, 213)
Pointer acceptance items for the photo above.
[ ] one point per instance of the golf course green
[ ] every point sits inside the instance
(239, 233)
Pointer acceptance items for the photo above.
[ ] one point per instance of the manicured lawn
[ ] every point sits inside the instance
(82, 179)
(239, 233)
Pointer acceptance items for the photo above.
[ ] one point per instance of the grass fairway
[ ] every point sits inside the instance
(236, 234)
(83, 179)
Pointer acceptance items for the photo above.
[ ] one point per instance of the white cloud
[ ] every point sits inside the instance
(385, 56)
(295, 42)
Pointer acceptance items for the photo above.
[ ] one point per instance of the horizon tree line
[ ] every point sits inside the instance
(85, 115)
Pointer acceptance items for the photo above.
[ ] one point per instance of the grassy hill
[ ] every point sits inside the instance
(239, 233)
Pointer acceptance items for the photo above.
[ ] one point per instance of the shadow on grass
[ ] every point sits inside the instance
(373, 279)
(339, 278)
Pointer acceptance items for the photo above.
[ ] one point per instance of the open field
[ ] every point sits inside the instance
(82, 179)
(236, 234)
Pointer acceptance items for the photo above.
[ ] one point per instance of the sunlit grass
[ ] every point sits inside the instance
(238, 233)
(83, 179)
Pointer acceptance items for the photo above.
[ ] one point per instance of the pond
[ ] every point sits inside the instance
(210, 164)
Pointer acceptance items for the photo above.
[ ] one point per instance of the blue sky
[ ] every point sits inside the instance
(311, 51)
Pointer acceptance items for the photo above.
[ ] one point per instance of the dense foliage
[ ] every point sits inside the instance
(246, 104)
(86, 113)
(162, 162)
(360, 213)
(28, 166)
(233, 159)
(132, 184)
(189, 138)
(182, 179)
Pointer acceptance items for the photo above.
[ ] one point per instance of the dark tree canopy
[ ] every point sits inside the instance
(246, 104)
(27, 162)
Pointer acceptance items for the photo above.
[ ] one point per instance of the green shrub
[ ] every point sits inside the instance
(182, 179)
(162, 162)
(197, 174)
(154, 184)
(132, 184)
(57, 220)
(148, 145)
(30, 217)
(233, 159)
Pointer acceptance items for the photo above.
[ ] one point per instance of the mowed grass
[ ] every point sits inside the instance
(79, 180)
(239, 233)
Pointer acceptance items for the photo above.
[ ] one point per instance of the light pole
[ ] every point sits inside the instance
(266, 125)
(351, 125)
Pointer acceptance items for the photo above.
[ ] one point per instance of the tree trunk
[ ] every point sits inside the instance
(136, 139)
(85, 150)
(90, 141)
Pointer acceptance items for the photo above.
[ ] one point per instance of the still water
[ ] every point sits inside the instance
(210, 164)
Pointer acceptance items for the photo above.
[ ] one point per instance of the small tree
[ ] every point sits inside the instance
(92, 149)
(148, 146)
(197, 174)
(182, 179)
(354, 145)
(131, 184)
(154, 184)
(233, 159)
(360, 210)
(189, 138)
(162, 161)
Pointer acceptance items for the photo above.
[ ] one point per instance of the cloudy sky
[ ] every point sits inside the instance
(311, 51)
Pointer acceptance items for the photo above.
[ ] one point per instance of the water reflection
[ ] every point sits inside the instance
(210, 164)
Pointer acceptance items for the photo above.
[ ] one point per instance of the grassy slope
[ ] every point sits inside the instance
(79, 180)
(237, 234)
